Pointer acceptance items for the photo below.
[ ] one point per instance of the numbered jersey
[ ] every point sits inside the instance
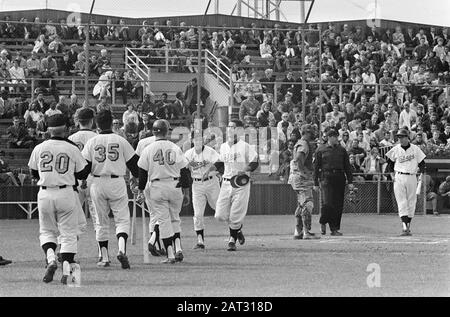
(162, 159)
(143, 144)
(108, 153)
(200, 163)
(236, 157)
(81, 137)
(56, 160)
(406, 161)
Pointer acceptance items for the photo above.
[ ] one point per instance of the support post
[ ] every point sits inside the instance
(379, 194)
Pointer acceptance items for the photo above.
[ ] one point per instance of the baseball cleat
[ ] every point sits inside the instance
(153, 251)
(336, 233)
(405, 233)
(298, 237)
(241, 238)
(123, 259)
(199, 246)
(51, 269)
(323, 229)
(231, 246)
(162, 252)
(64, 279)
(4, 261)
(179, 256)
(169, 261)
(435, 213)
(102, 263)
(309, 236)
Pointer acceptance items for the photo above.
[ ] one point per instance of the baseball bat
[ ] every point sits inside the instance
(419, 185)
(133, 222)
(144, 236)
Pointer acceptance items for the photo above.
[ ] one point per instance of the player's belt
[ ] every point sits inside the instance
(202, 179)
(60, 187)
(405, 173)
(169, 178)
(112, 176)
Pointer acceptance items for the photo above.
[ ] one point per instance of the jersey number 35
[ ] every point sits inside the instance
(101, 153)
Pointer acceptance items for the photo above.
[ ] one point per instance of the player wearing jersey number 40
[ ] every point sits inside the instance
(164, 176)
(110, 156)
(405, 160)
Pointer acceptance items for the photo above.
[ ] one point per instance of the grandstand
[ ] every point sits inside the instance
(229, 58)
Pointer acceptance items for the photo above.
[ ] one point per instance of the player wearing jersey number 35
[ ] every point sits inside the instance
(164, 175)
(56, 163)
(110, 155)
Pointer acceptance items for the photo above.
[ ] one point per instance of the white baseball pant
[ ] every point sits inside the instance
(84, 196)
(405, 187)
(232, 204)
(165, 203)
(110, 194)
(202, 192)
(58, 215)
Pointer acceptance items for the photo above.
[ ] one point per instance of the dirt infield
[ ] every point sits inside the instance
(270, 263)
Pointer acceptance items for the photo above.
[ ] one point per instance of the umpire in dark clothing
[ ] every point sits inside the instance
(331, 169)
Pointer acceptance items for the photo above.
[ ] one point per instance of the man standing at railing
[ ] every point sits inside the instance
(190, 95)
(404, 160)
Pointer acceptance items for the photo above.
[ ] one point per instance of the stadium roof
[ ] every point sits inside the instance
(431, 12)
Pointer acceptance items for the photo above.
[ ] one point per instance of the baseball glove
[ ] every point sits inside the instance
(238, 181)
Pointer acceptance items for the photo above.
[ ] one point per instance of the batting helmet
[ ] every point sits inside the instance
(238, 181)
(161, 126)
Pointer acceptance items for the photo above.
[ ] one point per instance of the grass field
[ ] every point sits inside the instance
(270, 263)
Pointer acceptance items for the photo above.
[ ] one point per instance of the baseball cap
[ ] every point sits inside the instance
(86, 114)
(56, 120)
(402, 132)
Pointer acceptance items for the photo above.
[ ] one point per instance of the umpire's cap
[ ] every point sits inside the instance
(161, 126)
(403, 132)
(332, 132)
(85, 114)
(238, 181)
(56, 120)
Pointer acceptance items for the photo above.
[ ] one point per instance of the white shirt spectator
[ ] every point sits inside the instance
(407, 118)
(17, 75)
(50, 112)
(130, 116)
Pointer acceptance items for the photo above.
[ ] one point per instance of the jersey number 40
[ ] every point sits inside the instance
(111, 152)
(169, 157)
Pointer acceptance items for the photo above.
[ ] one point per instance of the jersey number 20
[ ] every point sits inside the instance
(168, 157)
(61, 162)
(113, 153)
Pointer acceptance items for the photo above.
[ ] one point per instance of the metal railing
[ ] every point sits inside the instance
(142, 71)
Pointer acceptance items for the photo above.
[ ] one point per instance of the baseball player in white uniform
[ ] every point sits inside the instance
(205, 185)
(404, 161)
(80, 138)
(56, 163)
(154, 242)
(110, 155)
(162, 171)
(238, 158)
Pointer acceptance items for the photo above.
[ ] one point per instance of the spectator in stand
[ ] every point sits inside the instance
(65, 67)
(267, 82)
(190, 95)
(356, 169)
(148, 106)
(254, 85)
(435, 140)
(444, 189)
(102, 88)
(407, 117)
(265, 50)
(132, 85)
(145, 127)
(79, 67)
(345, 140)
(6, 176)
(56, 46)
(131, 133)
(33, 115)
(372, 165)
(117, 129)
(40, 45)
(248, 110)
(289, 127)
(130, 115)
(103, 104)
(357, 151)
(16, 135)
(17, 75)
(265, 116)
(52, 110)
(179, 107)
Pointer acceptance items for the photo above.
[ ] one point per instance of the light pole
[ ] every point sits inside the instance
(86, 55)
